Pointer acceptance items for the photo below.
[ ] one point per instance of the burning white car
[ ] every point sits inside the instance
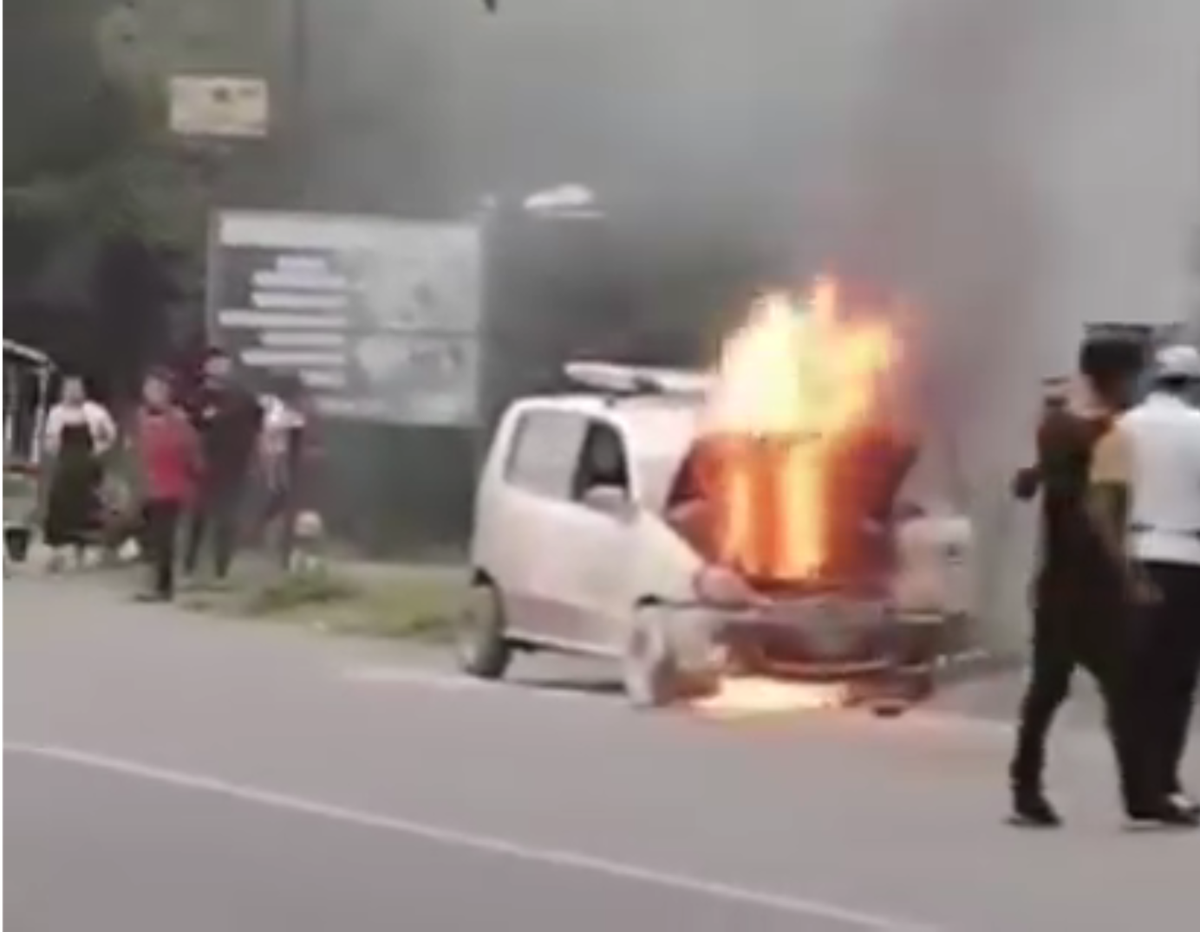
(720, 533)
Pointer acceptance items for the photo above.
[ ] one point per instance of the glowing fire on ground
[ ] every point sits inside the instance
(744, 696)
(791, 383)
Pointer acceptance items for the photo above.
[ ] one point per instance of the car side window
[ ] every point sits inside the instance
(545, 451)
(603, 461)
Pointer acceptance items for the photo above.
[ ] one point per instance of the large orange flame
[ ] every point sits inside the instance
(791, 383)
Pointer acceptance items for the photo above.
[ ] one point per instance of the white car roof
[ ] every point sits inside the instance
(637, 414)
(656, 426)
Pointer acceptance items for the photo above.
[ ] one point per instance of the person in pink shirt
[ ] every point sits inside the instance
(169, 455)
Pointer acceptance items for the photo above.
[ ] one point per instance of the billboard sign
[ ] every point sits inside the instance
(378, 317)
(228, 106)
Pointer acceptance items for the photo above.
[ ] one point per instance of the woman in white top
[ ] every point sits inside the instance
(78, 432)
(284, 434)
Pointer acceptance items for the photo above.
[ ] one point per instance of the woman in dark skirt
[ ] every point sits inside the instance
(78, 432)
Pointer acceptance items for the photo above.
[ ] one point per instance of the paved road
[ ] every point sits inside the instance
(171, 772)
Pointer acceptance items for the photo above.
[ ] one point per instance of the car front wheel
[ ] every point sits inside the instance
(668, 657)
(648, 668)
(483, 650)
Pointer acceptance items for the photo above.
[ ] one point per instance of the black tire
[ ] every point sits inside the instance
(483, 650)
(16, 543)
(889, 707)
(649, 671)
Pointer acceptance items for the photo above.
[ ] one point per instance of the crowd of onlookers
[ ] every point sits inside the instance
(200, 461)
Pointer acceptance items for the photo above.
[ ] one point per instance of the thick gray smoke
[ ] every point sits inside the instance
(1027, 167)
(1017, 167)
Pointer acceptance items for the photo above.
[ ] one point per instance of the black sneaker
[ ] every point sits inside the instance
(1168, 813)
(1033, 810)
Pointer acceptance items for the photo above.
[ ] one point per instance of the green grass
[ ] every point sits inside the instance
(298, 591)
(408, 605)
(20, 497)
(18, 486)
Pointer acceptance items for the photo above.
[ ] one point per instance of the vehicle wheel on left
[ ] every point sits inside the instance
(483, 650)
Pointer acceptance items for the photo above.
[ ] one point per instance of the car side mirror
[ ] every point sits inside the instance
(612, 500)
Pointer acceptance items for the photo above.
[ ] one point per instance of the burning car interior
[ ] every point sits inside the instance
(791, 494)
(858, 502)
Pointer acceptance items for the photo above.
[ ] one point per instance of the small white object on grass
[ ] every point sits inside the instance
(309, 536)
(309, 526)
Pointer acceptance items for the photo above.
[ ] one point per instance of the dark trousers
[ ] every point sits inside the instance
(161, 529)
(214, 520)
(1071, 632)
(1169, 667)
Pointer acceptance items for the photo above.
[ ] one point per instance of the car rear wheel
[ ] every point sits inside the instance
(483, 650)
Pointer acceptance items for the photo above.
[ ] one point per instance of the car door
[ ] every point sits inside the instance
(527, 514)
(602, 537)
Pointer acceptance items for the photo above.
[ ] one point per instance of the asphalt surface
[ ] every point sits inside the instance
(168, 771)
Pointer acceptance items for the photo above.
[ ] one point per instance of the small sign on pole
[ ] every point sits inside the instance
(226, 106)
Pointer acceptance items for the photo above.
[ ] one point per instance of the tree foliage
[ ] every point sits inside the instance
(86, 145)
(93, 181)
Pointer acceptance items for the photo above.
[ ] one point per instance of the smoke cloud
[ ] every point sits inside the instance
(1015, 167)
(1028, 167)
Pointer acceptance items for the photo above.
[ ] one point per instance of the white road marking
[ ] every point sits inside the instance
(457, 838)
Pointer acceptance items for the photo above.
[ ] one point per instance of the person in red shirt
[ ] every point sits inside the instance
(169, 454)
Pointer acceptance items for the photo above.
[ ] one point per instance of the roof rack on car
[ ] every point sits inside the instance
(616, 380)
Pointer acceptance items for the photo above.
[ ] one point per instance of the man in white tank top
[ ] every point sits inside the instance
(1163, 434)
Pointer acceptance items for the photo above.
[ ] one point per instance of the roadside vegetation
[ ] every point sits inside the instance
(20, 497)
(408, 605)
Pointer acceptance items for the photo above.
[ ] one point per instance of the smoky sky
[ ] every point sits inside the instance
(1015, 167)
(952, 144)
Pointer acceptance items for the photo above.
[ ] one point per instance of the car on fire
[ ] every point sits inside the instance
(588, 539)
(632, 519)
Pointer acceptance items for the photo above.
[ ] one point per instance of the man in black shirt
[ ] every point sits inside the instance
(228, 418)
(1084, 586)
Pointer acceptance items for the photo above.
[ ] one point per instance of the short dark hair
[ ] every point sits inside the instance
(1110, 361)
